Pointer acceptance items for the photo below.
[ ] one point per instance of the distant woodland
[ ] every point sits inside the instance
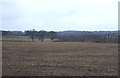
(68, 36)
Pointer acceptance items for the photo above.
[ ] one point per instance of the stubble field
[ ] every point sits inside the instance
(59, 59)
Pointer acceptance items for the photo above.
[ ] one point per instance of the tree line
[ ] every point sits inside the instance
(41, 35)
(70, 36)
(91, 37)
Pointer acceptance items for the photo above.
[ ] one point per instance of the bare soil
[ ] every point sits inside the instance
(59, 59)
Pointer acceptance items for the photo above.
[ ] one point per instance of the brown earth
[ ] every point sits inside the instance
(59, 59)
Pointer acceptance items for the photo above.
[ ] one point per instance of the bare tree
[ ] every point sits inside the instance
(41, 35)
(31, 33)
(52, 35)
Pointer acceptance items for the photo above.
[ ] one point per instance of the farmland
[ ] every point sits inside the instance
(59, 58)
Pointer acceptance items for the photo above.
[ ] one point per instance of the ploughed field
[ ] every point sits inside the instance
(59, 59)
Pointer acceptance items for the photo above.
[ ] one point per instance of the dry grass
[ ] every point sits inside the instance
(59, 59)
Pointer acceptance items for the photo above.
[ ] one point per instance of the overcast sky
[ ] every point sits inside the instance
(59, 15)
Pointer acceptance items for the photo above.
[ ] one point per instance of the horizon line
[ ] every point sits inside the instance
(58, 30)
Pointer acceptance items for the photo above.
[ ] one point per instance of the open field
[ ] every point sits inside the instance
(59, 59)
